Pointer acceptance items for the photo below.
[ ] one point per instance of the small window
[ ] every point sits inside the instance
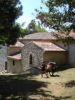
(13, 63)
(31, 62)
(5, 65)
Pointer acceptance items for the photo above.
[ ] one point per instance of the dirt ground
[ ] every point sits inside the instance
(33, 87)
(59, 87)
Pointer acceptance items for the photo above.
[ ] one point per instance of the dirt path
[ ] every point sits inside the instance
(33, 87)
(55, 88)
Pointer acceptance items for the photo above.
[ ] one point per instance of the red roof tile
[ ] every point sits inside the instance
(17, 44)
(15, 57)
(48, 46)
(72, 34)
(40, 35)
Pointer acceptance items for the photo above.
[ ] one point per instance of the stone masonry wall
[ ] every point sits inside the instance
(37, 56)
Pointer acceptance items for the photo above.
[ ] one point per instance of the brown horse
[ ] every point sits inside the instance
(47, 68)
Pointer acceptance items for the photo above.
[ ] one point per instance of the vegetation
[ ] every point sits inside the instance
(33, 27)
(60, 15)
(10, 10)
(24, 32)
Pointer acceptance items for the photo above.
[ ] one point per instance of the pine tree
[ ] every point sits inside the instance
(10, 10)
(60, 15)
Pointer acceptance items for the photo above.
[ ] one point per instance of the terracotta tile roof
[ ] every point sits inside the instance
(48, 46)
(63, 35)
(17, 44)
(15, 57)
(40, 35)
(72, 34)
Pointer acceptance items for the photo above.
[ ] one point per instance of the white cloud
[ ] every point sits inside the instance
(24, 20)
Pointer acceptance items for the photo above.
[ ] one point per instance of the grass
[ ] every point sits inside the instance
(33, 87)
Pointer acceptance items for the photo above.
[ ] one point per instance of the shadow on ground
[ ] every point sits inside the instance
(63, 67)
(61, 97)
(12, 86)
(70, 84)
(19, 87)
(55, 75)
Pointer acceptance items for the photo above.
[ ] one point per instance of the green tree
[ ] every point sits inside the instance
(39, 28)
(60, 15)
(35, 27)
(31, 26)
(24, 32)
(10, 10)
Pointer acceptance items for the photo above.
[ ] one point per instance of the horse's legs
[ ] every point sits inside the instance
(50, 73)
(46, 74)
(41, 74)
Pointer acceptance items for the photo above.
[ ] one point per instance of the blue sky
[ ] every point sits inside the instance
(29, 7)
